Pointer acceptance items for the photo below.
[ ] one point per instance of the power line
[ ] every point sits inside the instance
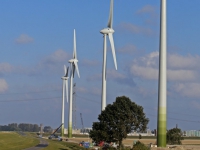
(178, 119)
(28, 92)
(144, 108)
(150, 114)
(29, 99)
(87, 99)
(50, 98)
(45, 99)
(174, 112)
(77, 96)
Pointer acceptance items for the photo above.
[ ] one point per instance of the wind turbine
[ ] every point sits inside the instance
(162, 89)
(65, 87)
(73, 66)
(107, 32)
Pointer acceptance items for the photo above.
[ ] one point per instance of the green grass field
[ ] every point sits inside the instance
(15, 141)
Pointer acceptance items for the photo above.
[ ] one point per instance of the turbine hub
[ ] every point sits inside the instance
(107, 31)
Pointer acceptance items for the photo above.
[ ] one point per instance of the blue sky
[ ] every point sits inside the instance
(36, 40)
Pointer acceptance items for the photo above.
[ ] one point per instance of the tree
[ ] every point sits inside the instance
(174, 136)
(36, 128)
(47, 129)
(14, 127)
(117, 120)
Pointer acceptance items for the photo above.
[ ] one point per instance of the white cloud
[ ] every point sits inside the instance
(150, 60)
(52, 63)
(3, 85)
(150, 12)
(144, 72)
(147, 9)
(188, 89)
(113, 74)
(57, 57)
(23, 39)
(87, 62)
(136, 29)
(176, 61)
(182, 75)
(147, 67)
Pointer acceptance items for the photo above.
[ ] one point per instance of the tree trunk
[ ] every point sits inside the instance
(120, 144)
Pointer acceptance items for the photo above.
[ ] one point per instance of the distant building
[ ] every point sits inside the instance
(78, 131)
(193, 133)
(85, 130)
(146, 133)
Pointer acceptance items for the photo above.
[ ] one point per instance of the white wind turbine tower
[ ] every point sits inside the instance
(107, 31)
(65, 88)
(73, 66)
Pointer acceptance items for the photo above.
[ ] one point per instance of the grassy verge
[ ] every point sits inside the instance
(58, 145)
(14, 141)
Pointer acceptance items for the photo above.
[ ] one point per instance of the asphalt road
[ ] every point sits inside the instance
(43, 143)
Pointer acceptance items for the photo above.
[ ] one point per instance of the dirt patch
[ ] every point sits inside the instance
(177, 148)
(186, 144)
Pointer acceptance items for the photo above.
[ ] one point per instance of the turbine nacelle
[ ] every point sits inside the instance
(73, 60)
(107, 31)
(64, 78)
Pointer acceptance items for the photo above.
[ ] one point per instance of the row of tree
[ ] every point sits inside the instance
(20, 127)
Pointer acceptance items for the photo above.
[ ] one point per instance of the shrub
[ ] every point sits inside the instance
(174, 136)
(140, 146)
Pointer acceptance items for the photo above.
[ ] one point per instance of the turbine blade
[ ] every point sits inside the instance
(76, 66)
(73, 69)
(74, 52)
(110, 35)
(110, 20)
(65, 70)
(66, 88)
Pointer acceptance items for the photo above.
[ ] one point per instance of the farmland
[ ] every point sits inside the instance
(17, 141)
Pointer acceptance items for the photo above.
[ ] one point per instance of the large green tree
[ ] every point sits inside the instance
(117, 120)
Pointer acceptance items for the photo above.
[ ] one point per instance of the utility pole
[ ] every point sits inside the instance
(82, 122)
(74, 106)
(41, 128)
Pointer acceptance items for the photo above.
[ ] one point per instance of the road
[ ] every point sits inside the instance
(43, 143)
